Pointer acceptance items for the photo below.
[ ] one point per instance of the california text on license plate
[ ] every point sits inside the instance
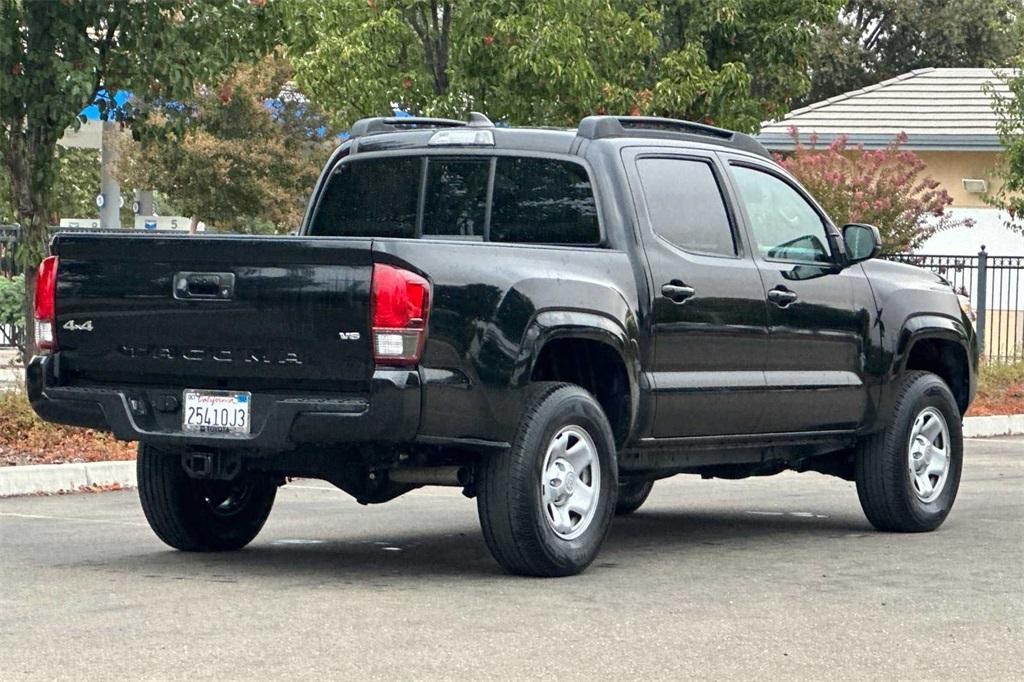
(222, 413)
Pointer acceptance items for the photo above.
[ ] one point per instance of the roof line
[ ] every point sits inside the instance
(778, 141)
(852, 93)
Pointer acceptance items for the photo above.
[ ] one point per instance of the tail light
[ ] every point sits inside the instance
(400, 302)
(45, 304)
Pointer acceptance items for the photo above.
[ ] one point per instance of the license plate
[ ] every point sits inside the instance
(218, 413)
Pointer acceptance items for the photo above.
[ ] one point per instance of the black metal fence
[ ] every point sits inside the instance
(11, 336)
(8, 238)
(994, 285)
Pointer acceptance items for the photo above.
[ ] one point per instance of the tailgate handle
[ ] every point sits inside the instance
(215, 286)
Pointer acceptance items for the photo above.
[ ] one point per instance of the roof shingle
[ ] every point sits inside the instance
(943, 108)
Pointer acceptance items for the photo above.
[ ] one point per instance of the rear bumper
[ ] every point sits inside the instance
(390, 413)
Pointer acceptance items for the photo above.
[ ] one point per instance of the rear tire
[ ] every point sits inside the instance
(196, 515)
(632, 495)
(908, 474)
(546, 503)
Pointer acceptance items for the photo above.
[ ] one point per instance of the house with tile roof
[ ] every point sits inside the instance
(950, 123)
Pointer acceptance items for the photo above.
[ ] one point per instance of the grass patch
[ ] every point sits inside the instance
(27, 439)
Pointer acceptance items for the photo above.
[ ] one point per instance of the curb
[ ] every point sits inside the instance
(996, 425)
(58, 478)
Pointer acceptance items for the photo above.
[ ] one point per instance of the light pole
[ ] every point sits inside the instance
(110, 189)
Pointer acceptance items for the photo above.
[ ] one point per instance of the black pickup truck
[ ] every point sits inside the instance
(549, 319)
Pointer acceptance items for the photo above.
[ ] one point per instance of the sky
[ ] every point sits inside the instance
(93, 113)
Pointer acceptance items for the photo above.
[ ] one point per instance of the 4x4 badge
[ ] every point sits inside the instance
(73, 326)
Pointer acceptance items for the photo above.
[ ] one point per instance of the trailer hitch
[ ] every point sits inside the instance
(221, 466)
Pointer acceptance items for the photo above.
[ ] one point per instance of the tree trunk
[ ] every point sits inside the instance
(33, 247)
(432, 26)
(30, 162)
(29, 338)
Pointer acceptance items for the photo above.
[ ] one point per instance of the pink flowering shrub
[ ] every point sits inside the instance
(883, 187)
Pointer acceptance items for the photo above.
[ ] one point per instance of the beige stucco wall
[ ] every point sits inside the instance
(949, 168)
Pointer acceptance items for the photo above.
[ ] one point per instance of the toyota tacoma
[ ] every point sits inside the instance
(551, 320)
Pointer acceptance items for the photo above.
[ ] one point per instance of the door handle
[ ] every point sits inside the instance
(204, 285)
(677, 291)
(781, 296)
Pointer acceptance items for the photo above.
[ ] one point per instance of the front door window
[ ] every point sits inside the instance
(785, 226)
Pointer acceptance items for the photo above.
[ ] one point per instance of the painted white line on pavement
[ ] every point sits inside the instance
(428, 491)
(74, 519)
(1000, 441)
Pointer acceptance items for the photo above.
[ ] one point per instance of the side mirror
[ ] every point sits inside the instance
(862, 242)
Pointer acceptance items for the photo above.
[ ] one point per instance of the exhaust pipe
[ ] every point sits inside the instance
(446, 475)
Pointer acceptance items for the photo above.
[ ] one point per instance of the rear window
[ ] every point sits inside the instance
(503, 199)
(456, 200)
(540, 200)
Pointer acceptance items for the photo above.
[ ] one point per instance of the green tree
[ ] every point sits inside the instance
(76, 184)
(247, 157)
(56, 58)
(732, 62)
(873, 40)
(1010, 108)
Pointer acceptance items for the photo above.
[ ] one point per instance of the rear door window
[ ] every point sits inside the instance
(510, 199)
(685, 205)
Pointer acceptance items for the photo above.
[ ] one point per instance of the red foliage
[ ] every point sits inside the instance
(884, 187)
(26, 439)
(1009, 402)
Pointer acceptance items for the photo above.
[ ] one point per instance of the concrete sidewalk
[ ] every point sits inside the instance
(10, 375)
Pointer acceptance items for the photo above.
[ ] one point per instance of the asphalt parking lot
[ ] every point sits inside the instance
(764, 578)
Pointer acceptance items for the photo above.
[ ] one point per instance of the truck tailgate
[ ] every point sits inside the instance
(219, 312)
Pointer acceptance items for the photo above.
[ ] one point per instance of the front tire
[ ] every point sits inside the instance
(908, 474)
(198, 515)
(546, 504)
